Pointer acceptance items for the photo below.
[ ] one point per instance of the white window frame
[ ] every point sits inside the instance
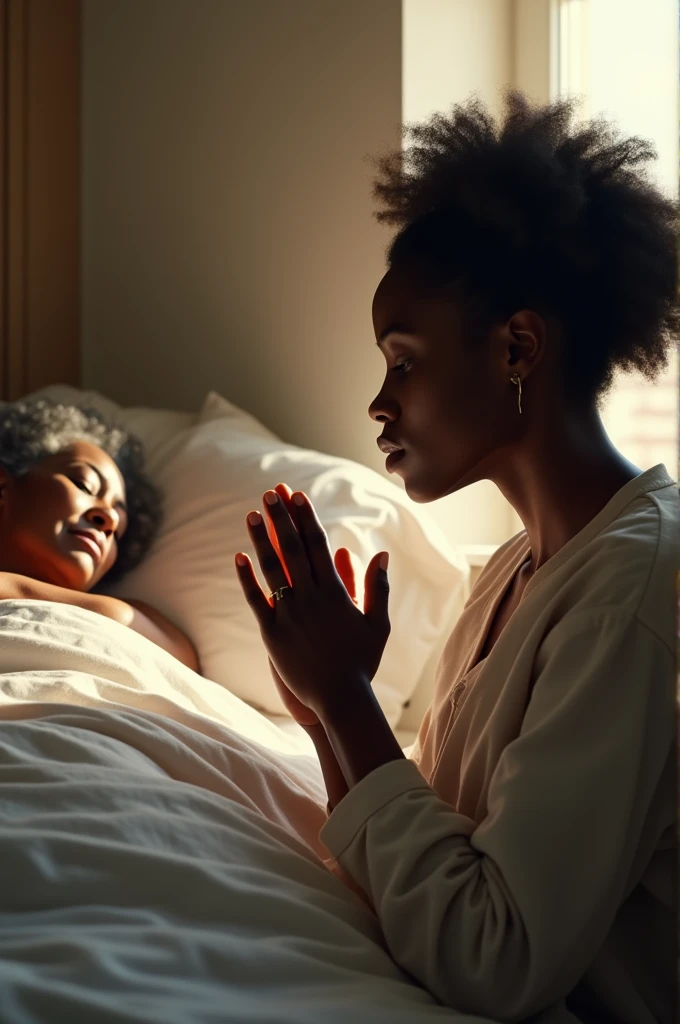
(551, 56)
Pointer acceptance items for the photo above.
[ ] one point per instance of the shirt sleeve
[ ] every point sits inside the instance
(504, 918)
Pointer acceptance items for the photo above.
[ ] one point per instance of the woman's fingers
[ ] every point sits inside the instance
(293, 544)
(345, 570)
(315, 540)
(252, 591)
(270, 563)
(284, 492)
(291, 551)
(376, 595)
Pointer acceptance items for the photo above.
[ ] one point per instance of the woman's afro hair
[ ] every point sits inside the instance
(535, 211)
(31, 431)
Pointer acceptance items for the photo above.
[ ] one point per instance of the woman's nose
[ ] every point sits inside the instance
(382, 409)
(105, 519)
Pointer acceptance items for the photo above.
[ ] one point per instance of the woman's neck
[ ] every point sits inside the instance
(559, 478)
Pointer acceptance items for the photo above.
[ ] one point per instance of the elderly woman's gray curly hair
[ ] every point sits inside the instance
(31, 431)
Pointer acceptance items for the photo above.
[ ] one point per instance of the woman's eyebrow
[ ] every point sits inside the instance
(103, 482)
(392, 329)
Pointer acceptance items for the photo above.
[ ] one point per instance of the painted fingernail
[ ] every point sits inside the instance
(254, 518)
(271, 497)
(384, 561)
(241, 560)
(299, 499)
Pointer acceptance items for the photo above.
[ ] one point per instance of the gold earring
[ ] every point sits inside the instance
(516, 379)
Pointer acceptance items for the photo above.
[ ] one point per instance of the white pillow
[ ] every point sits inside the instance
(213, 470)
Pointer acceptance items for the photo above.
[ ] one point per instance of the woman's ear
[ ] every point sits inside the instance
(525, 336)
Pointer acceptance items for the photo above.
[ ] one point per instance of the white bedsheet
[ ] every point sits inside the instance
(159, 850)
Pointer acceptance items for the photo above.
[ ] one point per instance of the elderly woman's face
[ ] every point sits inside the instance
(61, 522)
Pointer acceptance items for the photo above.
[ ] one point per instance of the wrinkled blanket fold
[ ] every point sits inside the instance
(159, 848)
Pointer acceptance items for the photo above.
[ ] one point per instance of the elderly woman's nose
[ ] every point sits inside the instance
(102, 517)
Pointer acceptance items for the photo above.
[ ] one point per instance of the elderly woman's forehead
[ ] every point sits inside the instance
(84, 451)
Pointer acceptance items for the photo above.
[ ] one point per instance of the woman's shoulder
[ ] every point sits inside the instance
(627, 569)
(637, 556)
(643, 539)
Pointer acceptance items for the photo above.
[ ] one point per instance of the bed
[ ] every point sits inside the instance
(159, 828)
(159, 847)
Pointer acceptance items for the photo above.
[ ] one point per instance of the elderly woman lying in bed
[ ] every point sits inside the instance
(162, 837)
(75, 506)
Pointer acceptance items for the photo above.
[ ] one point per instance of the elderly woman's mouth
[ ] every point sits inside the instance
(88, 543)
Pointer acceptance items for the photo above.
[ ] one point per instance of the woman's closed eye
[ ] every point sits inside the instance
(91, 488)
(403, 367)
(85, 485)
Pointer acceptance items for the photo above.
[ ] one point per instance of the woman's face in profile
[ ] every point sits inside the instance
(62, 521)
(446, 403)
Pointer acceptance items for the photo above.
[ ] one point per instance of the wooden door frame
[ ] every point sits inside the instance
(39, 194)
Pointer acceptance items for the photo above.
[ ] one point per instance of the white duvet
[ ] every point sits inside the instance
(159, 859)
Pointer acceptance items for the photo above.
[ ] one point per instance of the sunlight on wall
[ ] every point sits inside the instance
(621, 57)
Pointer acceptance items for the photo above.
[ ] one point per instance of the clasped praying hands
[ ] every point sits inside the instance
(322, 646)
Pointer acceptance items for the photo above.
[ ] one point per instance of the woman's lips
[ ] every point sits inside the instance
(393, 458)
(89, 544)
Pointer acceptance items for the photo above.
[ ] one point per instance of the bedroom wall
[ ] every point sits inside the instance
(228, 237)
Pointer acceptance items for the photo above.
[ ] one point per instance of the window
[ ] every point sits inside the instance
(621, 58)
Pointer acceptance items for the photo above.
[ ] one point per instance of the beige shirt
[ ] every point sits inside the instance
(528, 854)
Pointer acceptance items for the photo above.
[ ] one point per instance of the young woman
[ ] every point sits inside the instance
(526, 856)
(75, 507)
